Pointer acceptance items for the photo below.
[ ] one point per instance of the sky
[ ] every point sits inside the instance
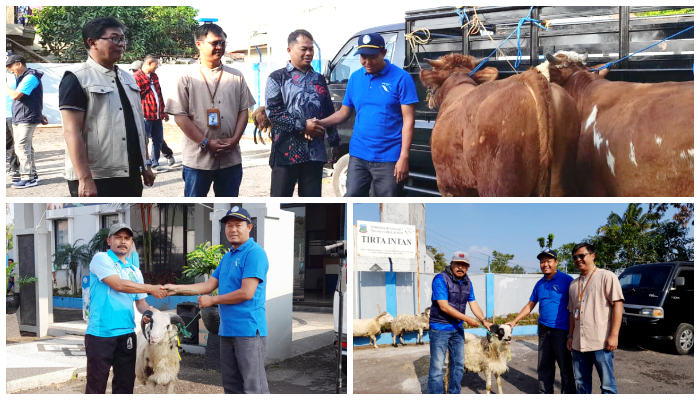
(479, 229)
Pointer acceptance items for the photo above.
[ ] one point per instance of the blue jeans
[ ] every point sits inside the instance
(583, 370)
(440, 341)
(154, 130)
(378, 177)
(226, 181)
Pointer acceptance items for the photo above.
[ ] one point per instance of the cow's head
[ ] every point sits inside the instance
(455, 66)
(500, 332)
(162, 327)
(562, 65)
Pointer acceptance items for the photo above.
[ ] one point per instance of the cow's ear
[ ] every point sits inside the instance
(484, 75)
(429, 78)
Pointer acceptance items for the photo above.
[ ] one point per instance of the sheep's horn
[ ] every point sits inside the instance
(149, 314)
(176, 319)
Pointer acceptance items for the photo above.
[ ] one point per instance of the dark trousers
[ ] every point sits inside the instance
(131, 186)
(308, 174)
(226, 181)
(10, 155)
(378, 177)
(154, 130)
(243, 364)
(118, 352)
(551, 349)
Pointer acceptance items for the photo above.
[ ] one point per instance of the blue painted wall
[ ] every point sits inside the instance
(412, 337)
(68, 302)
(170, 302)
(391, 293)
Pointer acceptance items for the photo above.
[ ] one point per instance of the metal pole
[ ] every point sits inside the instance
(339, 374)
(418, 273)
(489, 264)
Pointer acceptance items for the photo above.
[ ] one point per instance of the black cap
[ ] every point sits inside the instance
(14, 59)
(548, 252)
(237, 212)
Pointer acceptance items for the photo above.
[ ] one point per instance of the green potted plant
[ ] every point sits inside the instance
(203, 260)
(72, 255)
(12, 299)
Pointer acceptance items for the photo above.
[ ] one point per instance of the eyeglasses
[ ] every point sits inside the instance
(216, 43)
(461, 266)
(116, 39)
(580, 256)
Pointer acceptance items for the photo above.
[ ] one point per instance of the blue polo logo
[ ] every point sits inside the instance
(555, 288)
(363, 228)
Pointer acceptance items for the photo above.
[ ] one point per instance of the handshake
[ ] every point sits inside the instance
(313, 129)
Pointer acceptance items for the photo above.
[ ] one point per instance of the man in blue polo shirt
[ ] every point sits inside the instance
(452, 291)
(241, 278)
(552, 292)
(383, 97)
(110, 341)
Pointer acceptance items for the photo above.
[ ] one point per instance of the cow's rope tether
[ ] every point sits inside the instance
(517, 30)
(473, 28)
(610, 64)
(414, 40)
(183, 330)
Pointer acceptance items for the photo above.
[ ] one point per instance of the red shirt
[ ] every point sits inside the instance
(148, 99)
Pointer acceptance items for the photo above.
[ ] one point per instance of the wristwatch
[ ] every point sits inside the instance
(148, 163)
(204, 144)
(570, 336)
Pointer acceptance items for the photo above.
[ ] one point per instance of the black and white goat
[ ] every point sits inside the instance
(157, 358)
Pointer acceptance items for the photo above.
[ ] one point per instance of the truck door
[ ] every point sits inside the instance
(679, 301)
(342, 66)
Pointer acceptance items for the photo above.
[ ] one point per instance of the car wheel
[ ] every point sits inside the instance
(340, 176)
(683, 338)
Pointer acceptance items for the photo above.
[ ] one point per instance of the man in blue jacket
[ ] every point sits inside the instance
(27, 106)
(552, 292)
(452, 291)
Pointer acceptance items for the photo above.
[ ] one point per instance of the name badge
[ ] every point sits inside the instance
(213, 117)
(577, 313)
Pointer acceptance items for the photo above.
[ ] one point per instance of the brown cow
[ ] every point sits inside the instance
(513, 137)
(636, 138)
(262, 124)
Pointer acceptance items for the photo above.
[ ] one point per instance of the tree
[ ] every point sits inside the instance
(565, 260)
(550, 241)
(672, 242)
(684, 214)
(499, 264)
(440, 261)
(74, 256)
(8, 236)
(159, 30)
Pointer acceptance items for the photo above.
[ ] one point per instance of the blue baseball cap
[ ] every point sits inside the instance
(548, 252)
(370, 44)
(237, 212)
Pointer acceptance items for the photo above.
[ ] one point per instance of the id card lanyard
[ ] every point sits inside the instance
(577, 311)
(213, 115)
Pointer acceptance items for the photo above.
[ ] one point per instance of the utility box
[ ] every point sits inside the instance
(190, 311)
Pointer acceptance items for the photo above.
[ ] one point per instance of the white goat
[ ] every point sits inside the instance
(485, 354)
(371, 326)
(157, 359)
(410, 323)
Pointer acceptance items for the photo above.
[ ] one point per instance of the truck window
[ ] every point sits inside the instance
(347, 62)
(688, 274)
(645, 277)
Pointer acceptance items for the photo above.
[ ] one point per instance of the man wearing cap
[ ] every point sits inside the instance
(116, 285)
(595, 315)
(552, 292)
(27, 106)
(102, 119)
(452, 290)
(153, 106)
(241, 278)
(383, 97)
(135, 66)
(10, 155)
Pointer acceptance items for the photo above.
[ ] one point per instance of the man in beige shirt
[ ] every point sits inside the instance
(595, 315)
(211, 105)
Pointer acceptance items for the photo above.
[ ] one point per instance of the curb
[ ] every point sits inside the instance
(41, 380)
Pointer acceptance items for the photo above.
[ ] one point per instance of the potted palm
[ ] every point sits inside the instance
(12, 299)
(203, 260)
(72, 255)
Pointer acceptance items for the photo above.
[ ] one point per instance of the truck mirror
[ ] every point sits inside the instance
(680, 281)
(327, 71)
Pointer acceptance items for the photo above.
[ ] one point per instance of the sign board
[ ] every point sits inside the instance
(376, 239)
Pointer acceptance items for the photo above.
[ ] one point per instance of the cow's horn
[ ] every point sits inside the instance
(551, 58)
(584, 57)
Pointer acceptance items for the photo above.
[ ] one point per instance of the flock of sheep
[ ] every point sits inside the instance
(401, 324)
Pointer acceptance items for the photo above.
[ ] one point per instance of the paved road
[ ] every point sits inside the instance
(50, 155)
(644, 368)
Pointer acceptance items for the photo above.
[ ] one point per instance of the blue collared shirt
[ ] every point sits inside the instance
(244, 319)
(112, 312)
(377, 100)
(440, 293)
(553, 296)
(11, 81)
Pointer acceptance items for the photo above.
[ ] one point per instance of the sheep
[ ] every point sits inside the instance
(262, 124)
(370, 327)
(486, 354)
(157, 358)
(410, 323)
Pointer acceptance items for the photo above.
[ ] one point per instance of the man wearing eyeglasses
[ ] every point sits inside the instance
(116, 285)
(552, 293)
(452, 290)
(595, 316)
(103, 123)
(211, 105)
